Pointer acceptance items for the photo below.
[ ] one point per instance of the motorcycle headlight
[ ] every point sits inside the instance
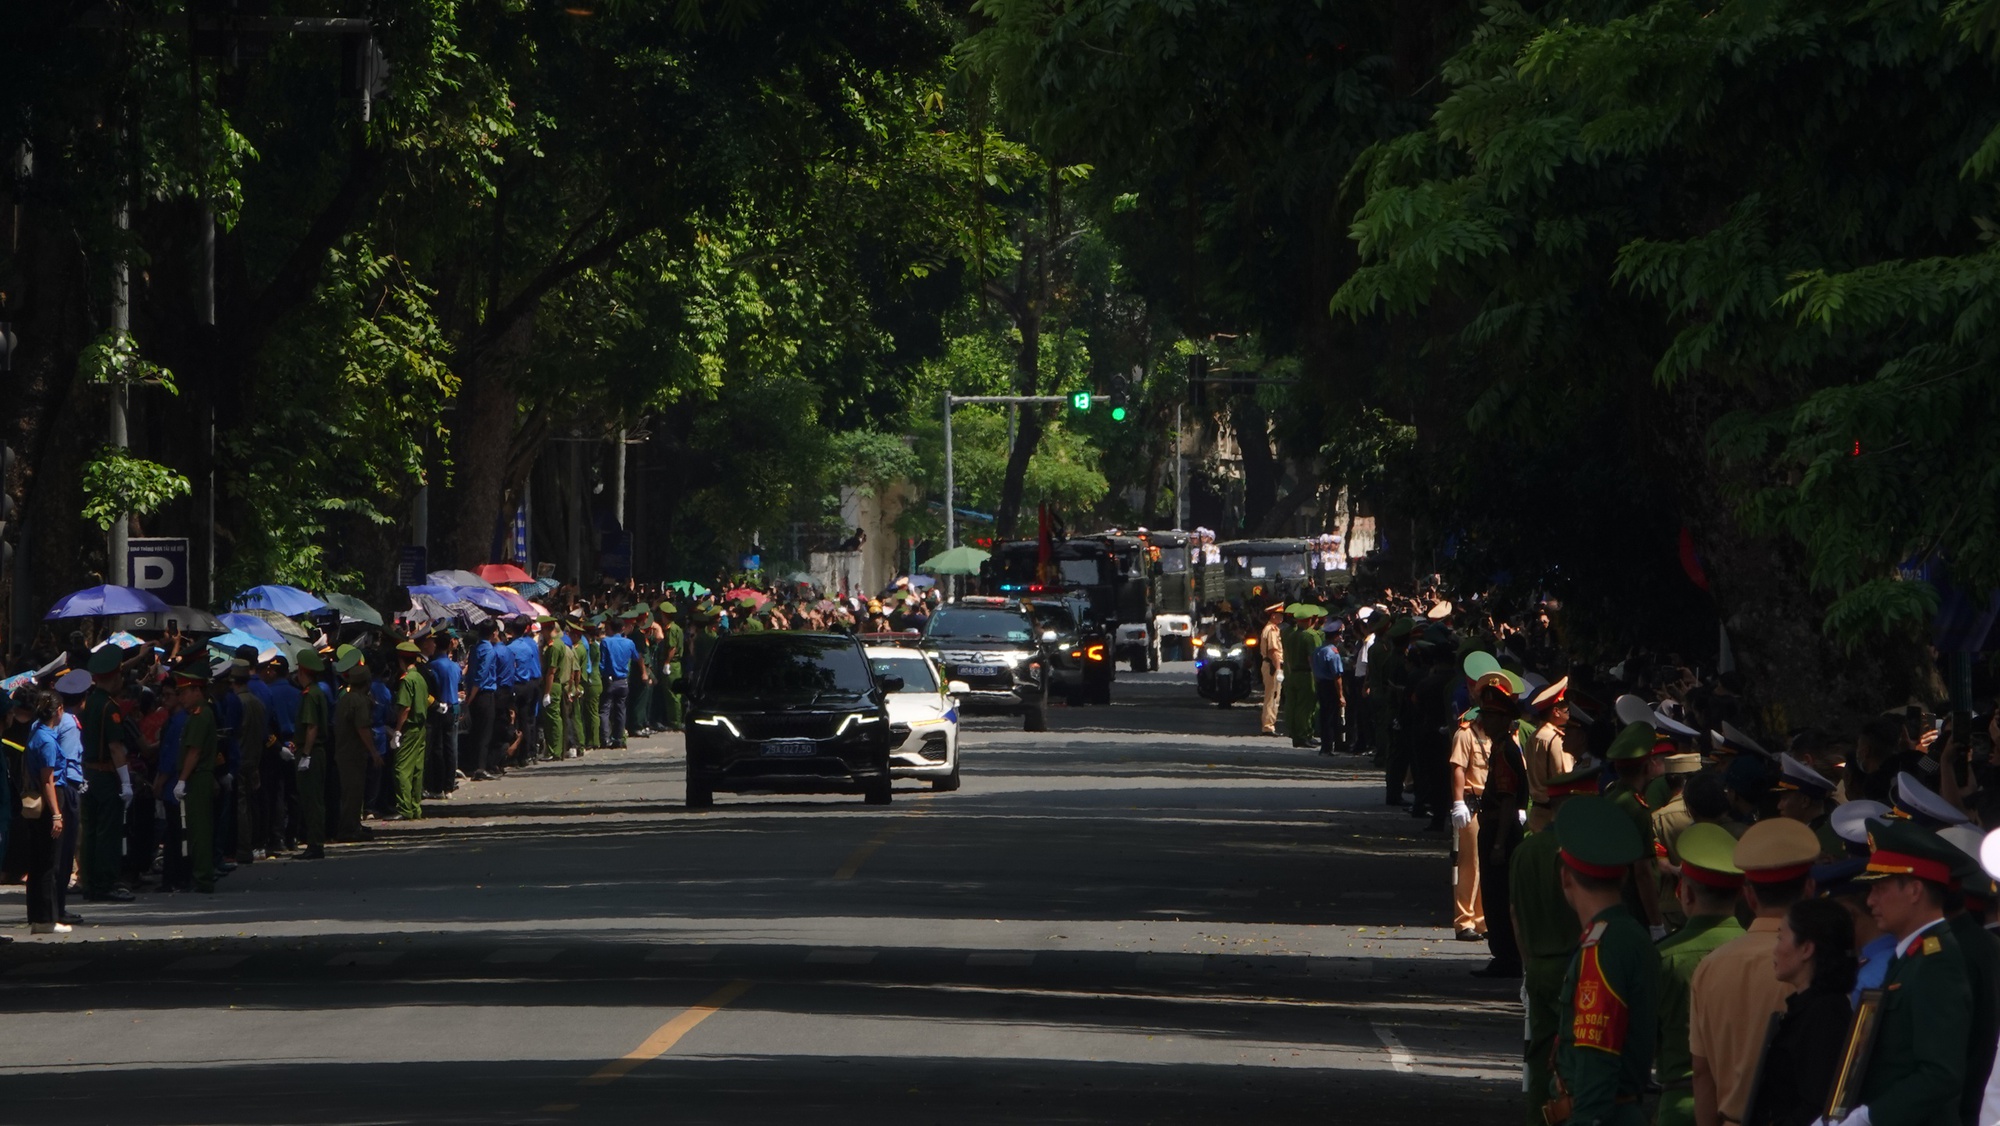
(1213, 651)
(1236, 652)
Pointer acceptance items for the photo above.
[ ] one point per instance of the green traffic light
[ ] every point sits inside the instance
(1117, 414)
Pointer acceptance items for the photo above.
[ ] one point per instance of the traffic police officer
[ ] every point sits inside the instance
(1300, 702)
(1609, 1002)
(411, 712)
(200, 756)
(591, 662)
(1630, 755)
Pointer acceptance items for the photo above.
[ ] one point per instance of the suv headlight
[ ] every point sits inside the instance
(854, 719)
(718, 721)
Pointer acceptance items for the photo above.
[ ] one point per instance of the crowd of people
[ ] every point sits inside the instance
(158, 762)
(1780, 929)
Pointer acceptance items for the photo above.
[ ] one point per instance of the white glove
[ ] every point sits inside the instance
(545, 699)
(180, 791)
(306, 762)
(229, 781)
(440, 707)
(125, 785)
(1658, 931)
(1857, 1117)
(1460, 815)
(1521, 816)
(395, 740)
(287, 753)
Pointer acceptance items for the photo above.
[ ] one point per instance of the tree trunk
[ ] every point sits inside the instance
(1028, 434)
(1261, 467)
(482, 449)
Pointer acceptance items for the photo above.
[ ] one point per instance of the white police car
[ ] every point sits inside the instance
(923, 717)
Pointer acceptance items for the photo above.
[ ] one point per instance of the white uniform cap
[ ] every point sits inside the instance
(1919, 800)
(1850, 820)
(1631, 709)
(1672, 726)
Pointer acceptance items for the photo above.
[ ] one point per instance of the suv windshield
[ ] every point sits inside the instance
(786, 668)
(915, 671)
(981, 625)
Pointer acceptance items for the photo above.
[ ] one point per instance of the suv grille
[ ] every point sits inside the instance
(779, 726)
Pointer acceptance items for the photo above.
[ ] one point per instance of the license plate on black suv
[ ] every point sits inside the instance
(791, 748)
(979, 670)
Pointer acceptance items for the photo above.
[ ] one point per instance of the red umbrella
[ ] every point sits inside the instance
(742, 592)
(502, 573)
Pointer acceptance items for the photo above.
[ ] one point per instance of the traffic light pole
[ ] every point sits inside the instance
(1080, 399)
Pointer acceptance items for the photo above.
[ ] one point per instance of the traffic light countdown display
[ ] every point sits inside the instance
(1080, 401)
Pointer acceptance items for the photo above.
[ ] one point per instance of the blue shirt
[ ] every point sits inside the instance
(69, 736)
(448, 673)
(1327, 664)
(504, 674)
(527, 658)
(281, 704)
(484, 674)
(378, 718)
(44, 753)
(618, 654)
(1875, 959)
(229, 717)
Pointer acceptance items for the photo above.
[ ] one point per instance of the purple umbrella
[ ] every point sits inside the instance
(488, 599)
(97, 601)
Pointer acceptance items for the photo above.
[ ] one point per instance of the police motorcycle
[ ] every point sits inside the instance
(1224, 665)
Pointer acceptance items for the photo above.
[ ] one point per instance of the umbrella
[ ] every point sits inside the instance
(742, 592)
(352, 609)
(959, 560)
(427, 608)
(121, 639)
(287, 600)
(516, 604)
(236, 638)
(502, 573)
(99, 601)
(457, 578)
(263, 632)
(537, 588)
(188, 618)
(443, 592)
(800, 578)
(687, 588)
(491, 600)
(472, 613)
(285, 626)
(920, 582)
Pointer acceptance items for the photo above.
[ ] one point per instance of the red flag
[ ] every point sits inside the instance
(1045, 547)
(1691, 559)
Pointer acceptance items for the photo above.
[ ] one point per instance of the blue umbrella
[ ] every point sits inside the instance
(256, 627)
(486, 598)
(97, 601)
(231, 641)
(440, 591)
(287, 600)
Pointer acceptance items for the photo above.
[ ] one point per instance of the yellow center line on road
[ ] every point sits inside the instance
(860, 855)
(667, 1035)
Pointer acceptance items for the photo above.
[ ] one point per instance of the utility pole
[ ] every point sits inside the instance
(121, 327)
(1180, 473)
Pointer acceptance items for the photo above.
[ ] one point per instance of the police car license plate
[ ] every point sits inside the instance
(979, 670)
(791, 748)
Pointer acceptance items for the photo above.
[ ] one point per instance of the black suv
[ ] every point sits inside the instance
(787, 712)
(1000, 653)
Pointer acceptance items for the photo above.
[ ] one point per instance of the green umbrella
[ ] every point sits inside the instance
(958, 561)
(352, 607)
(688, 587)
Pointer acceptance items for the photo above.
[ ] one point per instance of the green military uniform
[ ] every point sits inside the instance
(1981, 951)
(1830, 843)
(412, 693)
(252, 729)
(1634, 742)
(593, 690)
(1298, 701)
(103, 830)
(672, 653)
(1706, 852)
(555, 717)
(1609, 1002)
(353, 740)
(1546, 930)
(1917, 1072)
(201, 738)
(314, 736)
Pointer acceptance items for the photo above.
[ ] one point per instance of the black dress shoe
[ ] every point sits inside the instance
(1496, 970)
(71, 918)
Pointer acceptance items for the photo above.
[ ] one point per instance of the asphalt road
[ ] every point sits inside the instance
(1148, 914)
